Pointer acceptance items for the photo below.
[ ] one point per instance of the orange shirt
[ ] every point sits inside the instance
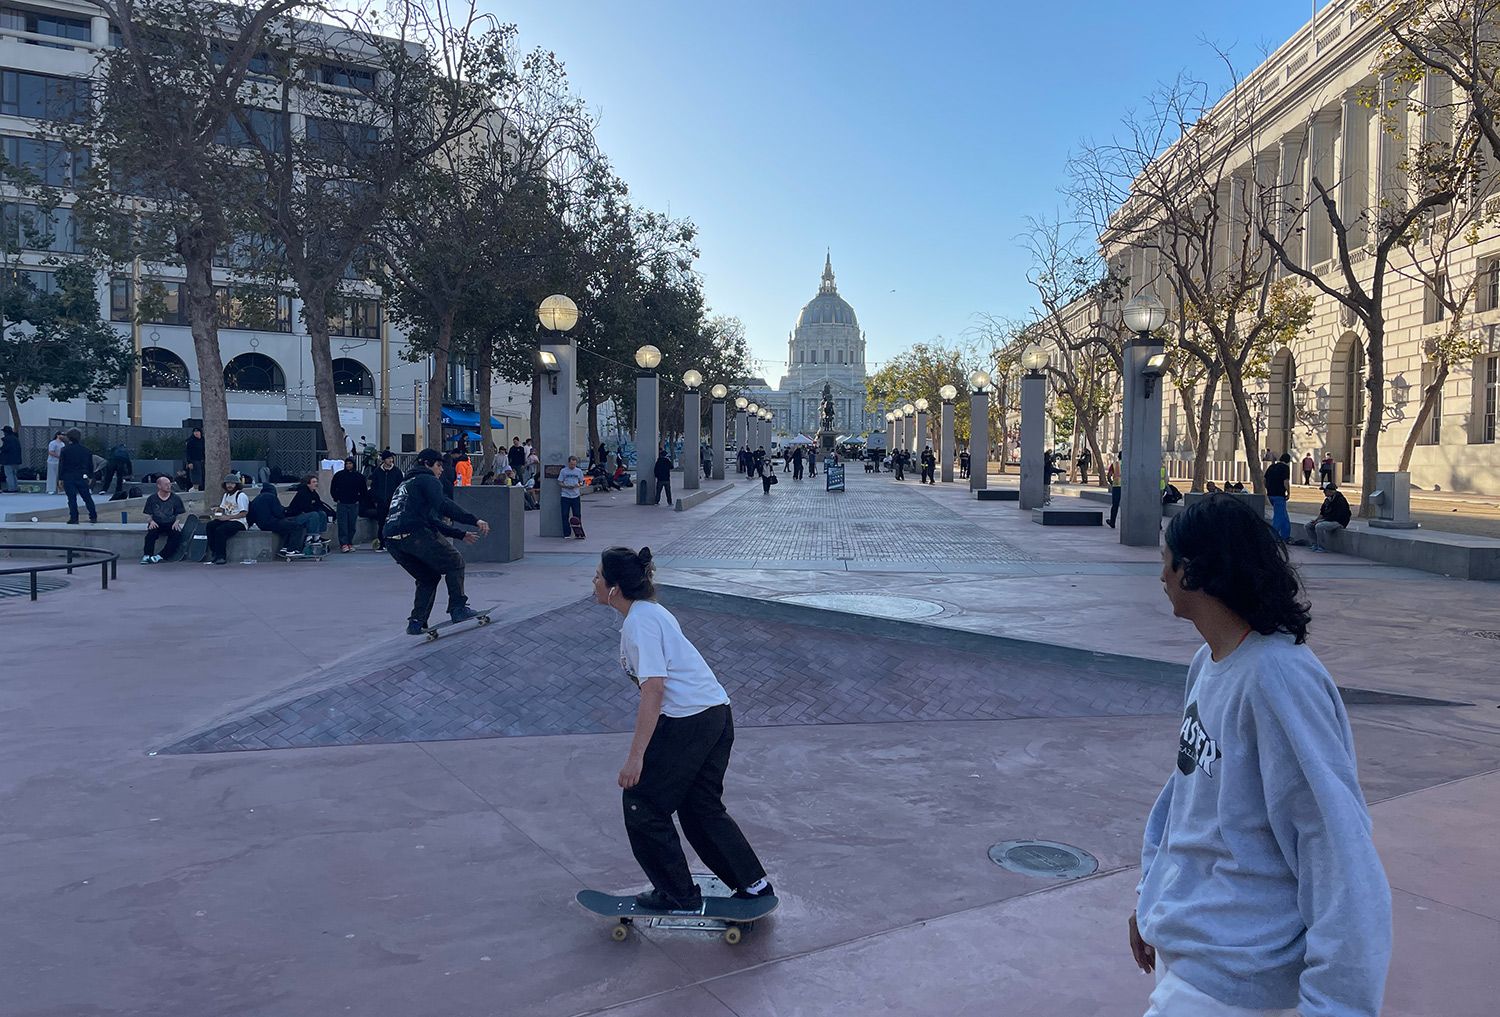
(465, 470)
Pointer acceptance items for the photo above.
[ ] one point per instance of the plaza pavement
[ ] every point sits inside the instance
(948, 675)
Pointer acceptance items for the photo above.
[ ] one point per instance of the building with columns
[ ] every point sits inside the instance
(826, 347)
(1314, 118)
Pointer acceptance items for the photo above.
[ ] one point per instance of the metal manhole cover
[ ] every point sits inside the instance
(20, 586)
(1043, 858)
(872, 604)
(1486, 633)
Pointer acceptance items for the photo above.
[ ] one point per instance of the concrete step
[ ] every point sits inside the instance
(998, 494)
(1050, 515)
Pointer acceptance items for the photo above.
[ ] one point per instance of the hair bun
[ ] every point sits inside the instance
(644, 554)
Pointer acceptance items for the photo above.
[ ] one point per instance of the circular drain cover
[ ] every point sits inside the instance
(1043, 858)
(876, 605)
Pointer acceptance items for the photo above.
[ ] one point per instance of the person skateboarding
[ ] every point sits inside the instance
(684, 731)
(415, 533)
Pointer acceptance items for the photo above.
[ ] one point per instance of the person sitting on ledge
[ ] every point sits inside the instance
(266, 513)
(309, 509)
(1333, 515)
(165, 514)
(229, 519)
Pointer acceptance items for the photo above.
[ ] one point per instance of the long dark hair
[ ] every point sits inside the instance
(629, 571)
(1228, 552)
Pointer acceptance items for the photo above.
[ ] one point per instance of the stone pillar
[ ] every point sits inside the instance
(1140, 477)
(692, 438)
(554, 444)
(717, 451)
(979, 441)
(945, 452)
(921, 441)
(647, 433)
(501, 507)
(1033, 429)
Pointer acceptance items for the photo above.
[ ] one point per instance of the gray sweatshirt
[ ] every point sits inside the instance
(1260, 883)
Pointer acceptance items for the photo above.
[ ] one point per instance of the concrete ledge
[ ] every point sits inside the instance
(126, 539)
(1446, 554)
(191, 500)
(1067, 516)
(1093, 494)
(998, 494)
(688, 499)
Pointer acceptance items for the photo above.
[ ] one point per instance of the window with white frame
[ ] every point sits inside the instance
(1488, 376)
(1432, 429)
(1487, 292)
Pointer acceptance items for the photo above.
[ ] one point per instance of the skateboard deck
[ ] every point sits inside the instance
(185, 541)
(478, 621)
(577, 526)
(719, 914)
(301, 557)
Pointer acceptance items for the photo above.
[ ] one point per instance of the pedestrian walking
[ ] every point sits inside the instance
(1278, 483)
(1084, 458)
(193, 456)
(570, 488)
(662, 472)
(75, 468)
(416, 536)
(1325, 470)
(963, 464)
(680, 750)
(349, 490)
(898, 463)
(516, 456)
(54, 453)
(1112, 478)
(1308, 465)
(797, 463)
(1261, 893)
(10, 458)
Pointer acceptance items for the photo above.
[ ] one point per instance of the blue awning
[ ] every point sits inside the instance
(467, 418)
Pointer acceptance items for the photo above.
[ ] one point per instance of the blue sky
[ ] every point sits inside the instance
(911, 140)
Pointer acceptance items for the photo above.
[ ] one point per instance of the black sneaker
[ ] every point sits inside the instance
(654, 900)
(768, 891)
(414, 627)
(463, 614)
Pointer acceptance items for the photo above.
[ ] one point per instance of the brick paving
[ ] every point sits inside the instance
(871, 521)
(559, 674)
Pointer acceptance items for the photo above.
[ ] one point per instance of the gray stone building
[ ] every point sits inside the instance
(825, 347)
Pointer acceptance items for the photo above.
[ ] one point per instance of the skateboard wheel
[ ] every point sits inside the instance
(431, 636)
(484, 619)
(619, 932)
(732, 935)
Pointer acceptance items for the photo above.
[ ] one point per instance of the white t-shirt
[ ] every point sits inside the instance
(55, 447)
(652, 646)
(236, 501)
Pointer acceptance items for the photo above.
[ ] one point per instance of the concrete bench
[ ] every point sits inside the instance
(998, 494)
(1458, 555)
(1067, 515)
(126, 539)
(687, 499)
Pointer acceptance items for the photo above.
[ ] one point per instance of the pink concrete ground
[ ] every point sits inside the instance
(437, 878)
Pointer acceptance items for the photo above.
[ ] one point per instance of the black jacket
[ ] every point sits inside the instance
(383, 484)
(1278, 474)
(305, 501)
(10, 450)
(348, 487)
(663, 468)
(75, 462)
(1335, 508)
(265, 509)
(420, 505)
(193, 450)
(516, 456)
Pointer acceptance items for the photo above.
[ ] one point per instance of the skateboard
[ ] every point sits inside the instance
(300, 557)
(577, 526)
(185, 540)
(478, 621)
(728, 915)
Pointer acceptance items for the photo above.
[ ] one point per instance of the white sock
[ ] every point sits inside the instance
(757, 886)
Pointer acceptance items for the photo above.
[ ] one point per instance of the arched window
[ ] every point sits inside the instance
(254, 372)
(162, 369)
(352, 378)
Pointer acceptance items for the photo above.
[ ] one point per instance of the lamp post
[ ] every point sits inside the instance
(557, 357)
(692, 426)
(922, 435)
(898, 418)
(979, 431)
(1140, 474)
(945, 455)
(1033, 425)
(753, 419)
(741, 428)
(647, 420)
(890, 437)
(908, 427)
(716, 451)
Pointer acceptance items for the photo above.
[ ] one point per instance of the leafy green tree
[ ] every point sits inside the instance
(919, 372)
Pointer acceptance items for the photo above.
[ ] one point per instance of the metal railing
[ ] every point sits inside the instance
(108, 562)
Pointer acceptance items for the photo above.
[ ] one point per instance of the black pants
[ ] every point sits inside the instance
(292, 533)
(173, 538)
(116, 472)
(195, 474)
(219, 531)
(571, 508)
(428, 557)
(78, 487)
(796, 469)
(900, 471)
(1307, 478)
(765, 481)
(927, 475)
(1114, 503)
(683, 772)
(347, 515)
(663, 485)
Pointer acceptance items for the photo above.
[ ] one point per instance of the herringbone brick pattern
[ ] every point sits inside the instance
(874, 520)
(559, 674)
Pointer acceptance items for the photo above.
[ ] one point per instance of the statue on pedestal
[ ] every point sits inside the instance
(827, 407)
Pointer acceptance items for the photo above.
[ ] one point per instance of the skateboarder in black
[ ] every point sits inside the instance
(683, 735)
(416, 533)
